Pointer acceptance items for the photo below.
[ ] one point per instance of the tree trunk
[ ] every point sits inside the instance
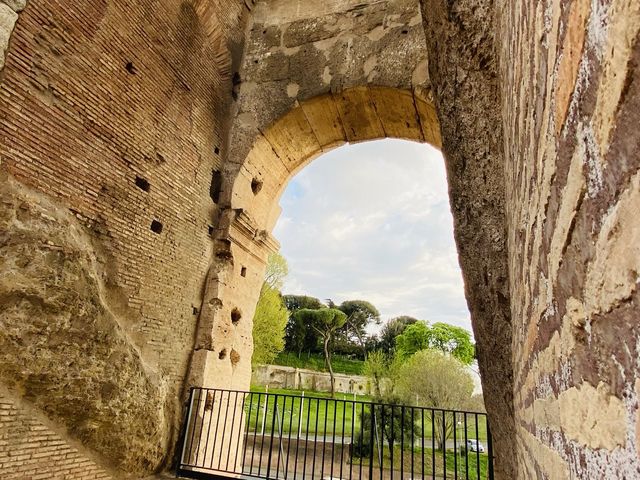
(327, 359)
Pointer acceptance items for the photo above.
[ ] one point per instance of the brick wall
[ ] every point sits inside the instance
(116, 110)
(30, 450)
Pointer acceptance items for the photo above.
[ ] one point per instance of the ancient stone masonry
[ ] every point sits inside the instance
(144, 145)
(113, 117)
(570, 107)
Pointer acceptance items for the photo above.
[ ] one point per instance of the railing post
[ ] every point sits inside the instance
(273, 420)
(373, 426)
(489, 449)
(185, 431)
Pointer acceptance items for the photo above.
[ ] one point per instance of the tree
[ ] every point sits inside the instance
(449, 339)
(453, 340)
(414, 338)
(376, 367)
(360, 314)
(391, 330)
(325, 321)
(270, 318)
(436, 380)
(269, 324)
(300, 336)
(277, 270)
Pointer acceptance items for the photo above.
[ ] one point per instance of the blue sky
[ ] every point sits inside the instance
(372, 222)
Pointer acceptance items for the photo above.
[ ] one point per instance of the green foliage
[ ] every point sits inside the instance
(360, 314)
(414, 338)
(269, 324)
(433, 379)
(376, 367)
(325, 321)
(277, 270)
(391, 330)
(315, 361)
(446, 338)
(270, 318)
(299, 335)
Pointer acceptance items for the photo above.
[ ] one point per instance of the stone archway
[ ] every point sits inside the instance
(248, 210)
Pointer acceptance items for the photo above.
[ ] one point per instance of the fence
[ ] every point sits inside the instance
(275, 436)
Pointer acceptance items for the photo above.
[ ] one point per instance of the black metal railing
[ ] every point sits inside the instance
(279, 436)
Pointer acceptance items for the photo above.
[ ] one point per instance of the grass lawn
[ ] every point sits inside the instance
(309, 413)
(434, 462)
(315, 361)
(293, 413)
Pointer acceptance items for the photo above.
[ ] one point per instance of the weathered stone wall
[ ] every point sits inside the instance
(113, 116)
(279, 376)
(463, 70)
(296, 52)
(571, 110)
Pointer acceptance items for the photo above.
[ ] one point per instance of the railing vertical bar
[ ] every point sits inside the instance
(489, 448)
(306, 441)
(195, 424)
(224, 429)
(433, 444)
(233, 422)
(402, 442)
(264, 419)
(372, 414)
(315, 439)
(477, 448)
(444, 444)
(422, 441)
(215, 435)
(280, 424)
(466, 449)
(246, 431)
(381, 445)
(353, 437)
(344, 417)
(392, 441)
(324, 436)
(186, 427)
(286, 469)
(273, 424)
(333, 438)
(206, 445)
(455, 447)
(298, 433)
(361, 439)
(255, 431)
(412, 439)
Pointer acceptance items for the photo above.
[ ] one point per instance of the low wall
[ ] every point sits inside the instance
(279, 376)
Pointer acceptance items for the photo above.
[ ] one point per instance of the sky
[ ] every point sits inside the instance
(372, 221)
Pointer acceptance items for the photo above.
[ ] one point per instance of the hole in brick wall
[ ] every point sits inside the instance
(243, 272)
(130, 68)
(404, 32)
(210, 230)
(256, 186)
(195, 310)
(235, 316)
(216, 186)
(143, 184)
(223, 354)
(160, 158)
(235, 357)
(216, 150)
(156, 226)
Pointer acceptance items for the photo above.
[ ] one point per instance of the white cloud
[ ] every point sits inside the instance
(372, 221)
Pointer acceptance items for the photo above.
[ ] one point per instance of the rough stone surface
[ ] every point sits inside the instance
(61, 346)
(164, 133)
